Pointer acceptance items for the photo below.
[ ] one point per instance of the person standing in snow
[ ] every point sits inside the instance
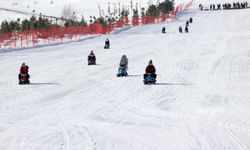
(191, 20)
(163, 30)
(180, 29)
(186, 29)
(107, 44)
(187, 23)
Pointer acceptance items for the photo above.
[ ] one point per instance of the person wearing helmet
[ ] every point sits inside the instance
(150, 69)
(124, 62)
(91, 58)
(107, 43)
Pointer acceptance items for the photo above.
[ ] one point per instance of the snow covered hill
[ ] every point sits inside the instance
(200, 101)
(55, 8)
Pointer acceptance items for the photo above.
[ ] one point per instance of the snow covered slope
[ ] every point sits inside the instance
(200, 101)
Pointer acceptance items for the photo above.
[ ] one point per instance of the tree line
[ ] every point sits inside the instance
(41, 22)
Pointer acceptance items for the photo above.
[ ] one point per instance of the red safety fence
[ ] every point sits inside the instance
(62, 34)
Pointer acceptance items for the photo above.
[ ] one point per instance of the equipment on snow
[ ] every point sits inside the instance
(91, 60)
(24, 79)
(149, 78)
(122, 71)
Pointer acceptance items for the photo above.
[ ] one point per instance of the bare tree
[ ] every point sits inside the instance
(68, 12)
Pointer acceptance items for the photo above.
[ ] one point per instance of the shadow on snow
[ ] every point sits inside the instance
(44, 83)
(135, 75)
(182, 84)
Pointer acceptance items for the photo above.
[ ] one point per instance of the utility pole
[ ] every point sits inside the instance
(109, 8)
(100, 11)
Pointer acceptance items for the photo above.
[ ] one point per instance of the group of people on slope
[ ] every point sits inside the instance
(187, 25)
(235, 5)
(92, 58)
(24, 76)
(180, 28)
(150, 68)
(225, 6)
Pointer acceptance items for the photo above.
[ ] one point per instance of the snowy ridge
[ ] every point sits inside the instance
(86, 8)
(200, 101)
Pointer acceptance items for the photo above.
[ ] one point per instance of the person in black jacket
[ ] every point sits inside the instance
(186, 29)
(191, 20)
(107, 43)
(163, 30)
(180, 29)
(91, 58)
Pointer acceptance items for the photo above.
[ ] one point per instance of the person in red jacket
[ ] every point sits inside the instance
(24, 70)
(150, 69)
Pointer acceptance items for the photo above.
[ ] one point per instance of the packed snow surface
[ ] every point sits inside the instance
(201, 100)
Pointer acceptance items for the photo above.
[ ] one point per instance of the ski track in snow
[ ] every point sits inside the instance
(200, 101)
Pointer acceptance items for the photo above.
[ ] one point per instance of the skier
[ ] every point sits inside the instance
(187, 23)
(91, 58)
(191, 20)
(107, 44)
(24, 76)
(186, 29)
(123, 66)
(163, 30)
(150, 71)
(200, 6)
(213, 6)
(180, 29)
(219, 6)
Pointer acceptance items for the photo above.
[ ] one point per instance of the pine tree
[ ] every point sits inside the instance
(5, 27)
(25, 25)
(153, 10)
(83, 22)
(166, 6)
(135, 13)
(124, 13)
